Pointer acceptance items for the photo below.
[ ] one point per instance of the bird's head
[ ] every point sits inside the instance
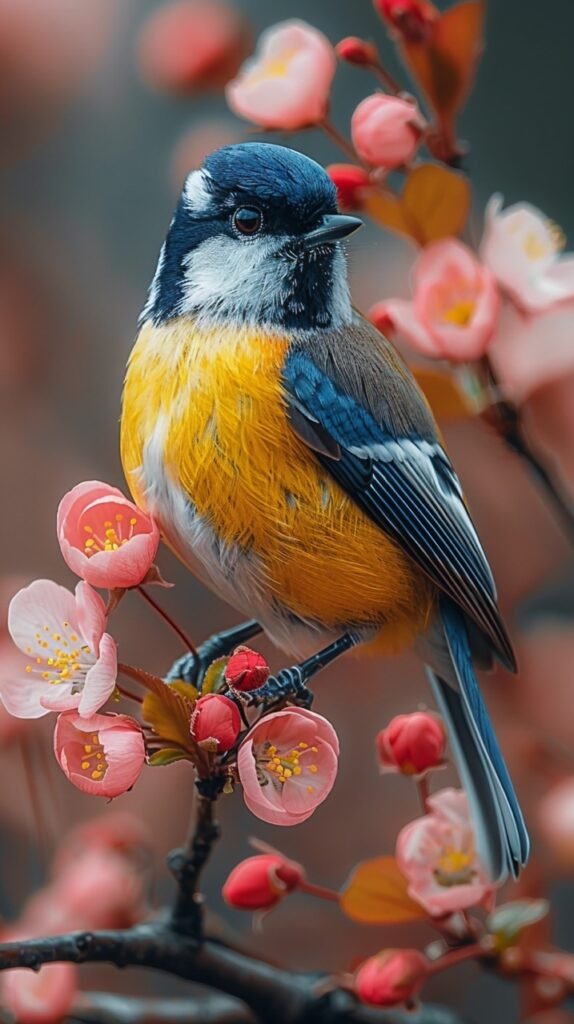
(255, 239)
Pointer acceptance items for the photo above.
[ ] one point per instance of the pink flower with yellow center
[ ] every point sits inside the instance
(104, 538)
(102, 755)
(522, 249)
(72, 661)
(287, 765)
(437, 855)
(455, 307)
(286, 85)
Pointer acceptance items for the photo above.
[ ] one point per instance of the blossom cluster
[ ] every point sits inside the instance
(285, 760)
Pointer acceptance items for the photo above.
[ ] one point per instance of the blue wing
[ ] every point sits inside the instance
(402, 479)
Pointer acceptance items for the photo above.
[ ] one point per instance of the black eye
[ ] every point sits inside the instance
(247, 220)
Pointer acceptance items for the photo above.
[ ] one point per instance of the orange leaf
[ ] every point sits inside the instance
(376, 893)
(448, 399)
(437, 200)
(445, 66)
(386, 209)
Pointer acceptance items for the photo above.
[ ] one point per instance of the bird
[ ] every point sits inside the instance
(294, 465)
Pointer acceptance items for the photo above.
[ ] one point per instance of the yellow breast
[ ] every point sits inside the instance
(227, 445)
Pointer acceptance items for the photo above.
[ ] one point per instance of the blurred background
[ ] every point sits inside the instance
(92, 155)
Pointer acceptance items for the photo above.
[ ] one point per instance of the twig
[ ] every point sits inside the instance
(507, 421)
(189, 646)
(423, 792)
(339, 139)
(187, 865)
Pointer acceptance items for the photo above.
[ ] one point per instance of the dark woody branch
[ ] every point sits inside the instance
(274, 996)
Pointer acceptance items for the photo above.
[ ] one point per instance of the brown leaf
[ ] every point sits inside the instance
(376, 893)
(386, 209)
(445, 66)
(434, 204)
(437, 200)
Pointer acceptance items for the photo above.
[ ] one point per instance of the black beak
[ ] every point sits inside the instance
(333, 227)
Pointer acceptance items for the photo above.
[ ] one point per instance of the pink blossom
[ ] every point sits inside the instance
(246, 669)
(531, 350)
(99, 889)
(215, 722)
(556, 820)
(287, 765)
(102, 755)
(352, 184)
(113, 831)
(387, 130)
(286, 85)
(437, 855)
(259, 883)
(391, 977)
(455, 307)
(72, 661)
(412, 744)
(191, 45)
(104, 538)
(44, 997)
(521, 247)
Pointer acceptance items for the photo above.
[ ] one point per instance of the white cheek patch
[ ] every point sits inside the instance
(196, 195)
(225, 275)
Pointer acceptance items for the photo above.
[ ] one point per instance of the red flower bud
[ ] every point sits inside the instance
(379, 315)
(246, 669)
(412, 19)
(258, 883)
(350, 182)
(393, 976)
(412, 744)
(215, 722)
(357, 51)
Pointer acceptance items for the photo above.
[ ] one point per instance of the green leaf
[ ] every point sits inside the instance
(167, 755)
(508, 921)
(214, 678)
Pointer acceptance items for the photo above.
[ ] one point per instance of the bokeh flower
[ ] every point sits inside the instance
(286, 85)
(413, 20)
(72, 661)
(357, 51)
(387, 130)
(522, 249)
(351, 182)
(556, 821)
(529, 351)
(412, 744)
(192, 45)
(42, 997)
(455, 307)
(246, 669)
(215, 722)
(104, 538)
(287, 765)
(102, 755)
(391, 977)
(437, 855)
(259, 883)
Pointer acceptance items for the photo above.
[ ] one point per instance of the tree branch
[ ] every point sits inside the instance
(274, 995)
(110, 1008)
(188, 863)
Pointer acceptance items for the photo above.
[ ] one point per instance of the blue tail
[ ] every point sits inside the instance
(501, 834)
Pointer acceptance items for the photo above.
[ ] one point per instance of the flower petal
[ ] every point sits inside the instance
(101, 678)
(42, 606)
(91, 615)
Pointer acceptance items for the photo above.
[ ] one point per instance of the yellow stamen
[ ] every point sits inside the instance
(460, 314)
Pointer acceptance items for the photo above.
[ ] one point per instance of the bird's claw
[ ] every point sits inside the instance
(288, 684)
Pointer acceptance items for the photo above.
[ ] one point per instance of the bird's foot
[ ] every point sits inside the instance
(191, 667)
(288, 684)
